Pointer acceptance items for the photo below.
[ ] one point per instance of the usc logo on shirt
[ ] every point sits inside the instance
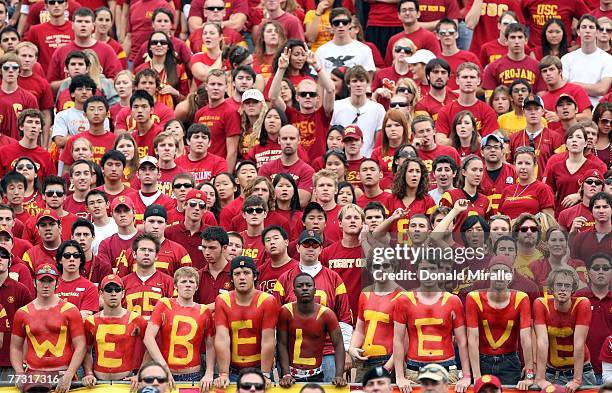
(545, 12)
(493, 10)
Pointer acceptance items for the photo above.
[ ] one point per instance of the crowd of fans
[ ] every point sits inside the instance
(216, 186)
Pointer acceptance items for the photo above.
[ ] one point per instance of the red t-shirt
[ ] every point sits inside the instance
(20, 296)
(584, 244)
(271, 151)
(493, 189)
(139, 21)
(114, 339)
(39, 255)
(145, 141)
(253, 247)
(10, 153)
(268, 274)
(430, 326)
(11, 105)
(385, 162)
(205, 169)
(48, 334)
(224, 123)
(127, 191)
(486, 28)
(211, 287)
(313, 130)
(248, 323)
(181, 332)
(564, 183)
(517, 199)
(140, 207)
(80, 292)
(384, 198)
(429, 155)
(196, 44)
(96, 269)
(142, 296)
(376, 313)
(387, 77)
(306, 335)
(601, 324)
(422, 38)
(457, 59)
(425, 205)
(493, 50)
(536, 14)
(39, 14)
(170, 258)
(160, 116)
(300, 171)
(108, 60)
(113, 250)
(48, 38)
(40, 88)
(231, 7)
(480, 206)
(433, 10)
(504, 71)
(349, 263)
(181, 50)
(383, 15)
(430, 106)
(100, 143)
(498, 328)
(550, 98)
(547, 143)
(486, 118)
(567, 216)
(561, 328)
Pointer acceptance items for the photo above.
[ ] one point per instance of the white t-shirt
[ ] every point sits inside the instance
(369, 118)
(332, 56)
(587, 68)
(72, 121)
(102, 233)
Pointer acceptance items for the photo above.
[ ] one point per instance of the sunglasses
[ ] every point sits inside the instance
(398, 105)
(217, 9)
(310, 245)
(251, 385)
(404, 90)
(598, 268)
(592, 182)
(159, 42)
(153, 379)
(379, 266)
(116, 289)
(52, 193)
(7, 67)
(251, 210)
(407, 50)
(309, 94)
(194, 204)
(609, 181)
(183, 185)
(528, 229)
(606, 122)
(53, 2)
(447, 31)
(605, 29)
(68, 255)
(340, 22)
(21, 167)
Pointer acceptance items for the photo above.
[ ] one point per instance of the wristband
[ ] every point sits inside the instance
(89, 373)
(223, 374)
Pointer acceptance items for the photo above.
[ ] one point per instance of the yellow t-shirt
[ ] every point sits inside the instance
(513, 123)
(324, 34)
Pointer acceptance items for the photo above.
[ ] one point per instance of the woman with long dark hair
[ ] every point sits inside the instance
(271, 38)
(464, 134)
(174, 83)
(268, 148)
(554, 40)
(396, 131)
(213, 203)
(602, 117)
(288, 202)
(185, 111)
(332, 141)
(298, 68)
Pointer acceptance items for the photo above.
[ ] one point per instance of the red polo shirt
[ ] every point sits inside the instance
(211, 287)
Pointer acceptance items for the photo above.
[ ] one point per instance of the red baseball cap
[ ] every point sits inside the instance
(566, 96)
(196, 194)
(501, 260)
(111, 279)
(47, 213)
(352, 131)
(486, 380)
(122, 200)
(46, 270)
(591, 173)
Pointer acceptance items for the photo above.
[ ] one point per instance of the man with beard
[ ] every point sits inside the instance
(243, 78)
(599, 237)
(113, 249)
(599, 268)
(276, 259)
(113, 327)
(171, 256)
(80, 181)
(104, 226)
(527, 232)
(49, 229)
(561, 326)
(178, 348)
(289, 162)
(345, 256)
(438, 73)
(578, 218)
(431, 321)
(303, 326)
(496, 318)
(498, 174)
(245, 335)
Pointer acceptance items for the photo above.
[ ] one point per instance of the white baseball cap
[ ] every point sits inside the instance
(421, 56)
(253, 94)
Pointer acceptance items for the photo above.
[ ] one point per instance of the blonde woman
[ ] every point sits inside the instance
(385, 79)
(124, 85)
(252, 114)
(203, 62)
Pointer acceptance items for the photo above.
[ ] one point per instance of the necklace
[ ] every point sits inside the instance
(520, 193)
(609, 163)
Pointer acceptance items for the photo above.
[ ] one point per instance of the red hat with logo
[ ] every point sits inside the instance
(566, 97)
(122, 200)
(487, 380)
(591, 173)
(352, 131)
(46, 270)
(111, 279)
(196, 194)
(47, 213)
